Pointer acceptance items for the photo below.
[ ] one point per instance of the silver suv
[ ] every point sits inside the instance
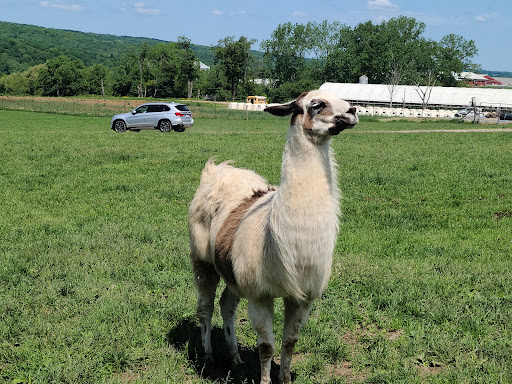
(162, 116)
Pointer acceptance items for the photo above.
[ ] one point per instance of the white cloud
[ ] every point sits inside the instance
(238, 13)
(299, 14)
(216, 12)
(382, 5)
(63, 6)
(485, 18)
(147, 11)
(139, 8)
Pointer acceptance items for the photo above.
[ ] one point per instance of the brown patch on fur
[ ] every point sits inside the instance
(226, 236)
(312, 113)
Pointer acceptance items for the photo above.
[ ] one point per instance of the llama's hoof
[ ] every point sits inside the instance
(208, 357)
(237, 359)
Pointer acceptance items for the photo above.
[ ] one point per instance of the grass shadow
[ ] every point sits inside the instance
(186, 337)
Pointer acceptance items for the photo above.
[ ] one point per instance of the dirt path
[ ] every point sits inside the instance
(440, 130)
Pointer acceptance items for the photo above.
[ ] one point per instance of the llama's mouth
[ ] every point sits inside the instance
(345, 121)
(340, 126)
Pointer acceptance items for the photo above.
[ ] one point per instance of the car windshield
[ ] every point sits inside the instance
(141, 109)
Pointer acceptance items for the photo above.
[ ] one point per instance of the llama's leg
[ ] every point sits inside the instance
(229, 304)
(295, 316)
(206, 279)
(261, 313)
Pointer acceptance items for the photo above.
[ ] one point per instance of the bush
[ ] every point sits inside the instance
(290, 91)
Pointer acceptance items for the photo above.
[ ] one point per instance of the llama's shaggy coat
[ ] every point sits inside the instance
(269, 242)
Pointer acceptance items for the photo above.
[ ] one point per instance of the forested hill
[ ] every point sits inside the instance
(23, 46)
(496, 73)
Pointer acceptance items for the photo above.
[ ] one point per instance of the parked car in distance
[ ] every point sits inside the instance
(505, 116)
(462, 112)
(162, 116)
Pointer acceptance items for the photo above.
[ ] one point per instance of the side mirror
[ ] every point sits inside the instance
(134, 112)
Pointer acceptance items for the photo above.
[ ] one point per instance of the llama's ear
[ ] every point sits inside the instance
(286, 109)
(283, 109)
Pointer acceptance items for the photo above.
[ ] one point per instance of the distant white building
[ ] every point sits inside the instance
(477, 79)
(265, 82)
(506, 81)
(203, 66)
(408, 95)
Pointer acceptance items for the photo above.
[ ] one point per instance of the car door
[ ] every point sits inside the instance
(153, 115)
(137, 119)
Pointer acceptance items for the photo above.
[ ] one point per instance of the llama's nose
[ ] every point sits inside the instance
(344, 121)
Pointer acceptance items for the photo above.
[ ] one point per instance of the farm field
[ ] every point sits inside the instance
(96, 287)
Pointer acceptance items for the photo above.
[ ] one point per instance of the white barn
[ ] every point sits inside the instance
(407, 96)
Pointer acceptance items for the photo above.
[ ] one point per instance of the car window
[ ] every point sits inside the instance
(183, 108)
(166, 108)
(155, 108)
(141, 109)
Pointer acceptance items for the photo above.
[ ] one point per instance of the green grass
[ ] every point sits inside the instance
(95, 284)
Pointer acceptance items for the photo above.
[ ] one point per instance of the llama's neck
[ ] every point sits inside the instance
(304, 215)
(308, 175)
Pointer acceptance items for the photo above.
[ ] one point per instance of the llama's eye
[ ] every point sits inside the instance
(317, 104)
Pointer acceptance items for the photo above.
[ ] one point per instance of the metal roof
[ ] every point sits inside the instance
(408, 94)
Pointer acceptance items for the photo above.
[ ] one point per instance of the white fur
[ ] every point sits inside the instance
(283, 245)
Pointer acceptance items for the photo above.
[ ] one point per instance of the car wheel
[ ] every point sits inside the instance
(179, 129)
(165, 126)
(119, 126)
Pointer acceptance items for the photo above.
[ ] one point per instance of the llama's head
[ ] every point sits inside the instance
(319, 113)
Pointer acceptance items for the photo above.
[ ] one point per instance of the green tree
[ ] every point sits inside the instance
(189, 63)
(234, 58)
(24, 83)
(61, 76)
(125, 76)
(94, 79)
(14, 84)
(214, 84)
(341, 65)
(161, 70)
(163, 63)
(395, 52)
(320, 41)
(455, 53)
(143, 66)
(296, 56)
(284, 53)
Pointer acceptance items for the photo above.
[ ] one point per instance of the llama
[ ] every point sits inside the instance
(268, 242)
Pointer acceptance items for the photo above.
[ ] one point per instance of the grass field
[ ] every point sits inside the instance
(95, 284)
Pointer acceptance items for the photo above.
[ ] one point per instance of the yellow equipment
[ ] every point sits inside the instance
(256, 100)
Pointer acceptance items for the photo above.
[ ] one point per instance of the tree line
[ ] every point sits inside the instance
(296, 57)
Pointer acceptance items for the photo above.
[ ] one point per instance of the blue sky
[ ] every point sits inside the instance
(205, 22)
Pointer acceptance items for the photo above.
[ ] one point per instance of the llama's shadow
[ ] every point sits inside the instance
(186, 337)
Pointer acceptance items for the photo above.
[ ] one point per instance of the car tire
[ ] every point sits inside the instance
(119, 126)
(179, 129)
(165, 126)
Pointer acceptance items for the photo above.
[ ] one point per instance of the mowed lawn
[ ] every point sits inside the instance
(96, 287)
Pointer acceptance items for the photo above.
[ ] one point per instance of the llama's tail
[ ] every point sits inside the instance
(211, 168)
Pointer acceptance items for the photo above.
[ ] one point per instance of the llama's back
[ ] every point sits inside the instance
(222, 188)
